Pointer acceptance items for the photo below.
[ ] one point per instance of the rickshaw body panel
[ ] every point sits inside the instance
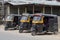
(51, 26)
(10, 22)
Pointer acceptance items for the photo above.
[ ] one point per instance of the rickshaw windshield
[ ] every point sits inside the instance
(9, 18)
(37, 18)
(24, 18)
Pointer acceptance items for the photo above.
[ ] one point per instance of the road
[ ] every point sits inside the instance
(14, 35)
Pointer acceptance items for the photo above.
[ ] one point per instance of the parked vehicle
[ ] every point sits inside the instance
(12, 21)
(44, 23)
(26, 22)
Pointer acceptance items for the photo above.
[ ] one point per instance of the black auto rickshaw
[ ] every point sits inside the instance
(26, 22)
(12, 21)
(44, 23)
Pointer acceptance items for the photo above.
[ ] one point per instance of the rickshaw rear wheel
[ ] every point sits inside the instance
(55, 33)
(33, 33)
(20, 31)
(15, 28)
(6, 28)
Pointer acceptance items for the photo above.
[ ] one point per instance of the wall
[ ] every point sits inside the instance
(13, 10)
(58, 21)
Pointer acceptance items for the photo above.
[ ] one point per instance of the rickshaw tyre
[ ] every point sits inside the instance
(6, 29)
(15, 28)
(20, 31)
(55, 33)
(33, 33)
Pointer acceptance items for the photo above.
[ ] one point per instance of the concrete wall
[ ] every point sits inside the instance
(13, 10)
(59, 21)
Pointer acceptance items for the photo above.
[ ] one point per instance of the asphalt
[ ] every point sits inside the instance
(15, 35)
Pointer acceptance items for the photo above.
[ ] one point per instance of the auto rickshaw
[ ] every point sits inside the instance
(12, 21)
(26, 22)
(44, 23)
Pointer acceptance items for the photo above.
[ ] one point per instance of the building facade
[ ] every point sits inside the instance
(32, 6)
(1, 9)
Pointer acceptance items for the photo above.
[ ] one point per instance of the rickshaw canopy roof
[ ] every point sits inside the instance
(41, 14)
(14, 15)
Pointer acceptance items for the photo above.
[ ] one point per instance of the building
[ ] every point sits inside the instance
(32, 6)
(1, 9)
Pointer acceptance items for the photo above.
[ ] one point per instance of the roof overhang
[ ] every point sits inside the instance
(51, 3)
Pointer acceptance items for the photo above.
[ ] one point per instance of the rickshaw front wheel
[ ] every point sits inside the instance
(20, 31)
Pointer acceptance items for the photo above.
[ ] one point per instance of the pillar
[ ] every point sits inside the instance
(51, 10)
(18, 11)
(33, 9)
(8, 10)
(43, 9)
(25, 10)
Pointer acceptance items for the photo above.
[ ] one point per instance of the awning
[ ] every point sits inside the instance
(52, 3)
(18, 3)
(23, 2)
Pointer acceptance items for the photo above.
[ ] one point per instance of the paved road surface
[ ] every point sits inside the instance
(14, 35)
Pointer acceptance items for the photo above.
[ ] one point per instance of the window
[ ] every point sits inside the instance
(37, 18)
(24, 18)
(9, 18)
